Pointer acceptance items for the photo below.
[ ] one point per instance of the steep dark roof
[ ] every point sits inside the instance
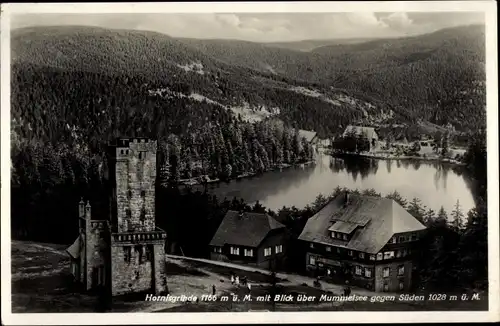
(381, 217)
(74, 249)
(247, 230)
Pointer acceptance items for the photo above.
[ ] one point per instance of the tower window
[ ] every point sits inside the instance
(126, 254)
(143, 214)
(149, 253)
(139, 250)
(143, 193)
(129, 194)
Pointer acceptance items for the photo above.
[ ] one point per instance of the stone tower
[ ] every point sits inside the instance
(124, 252)
(137, 245)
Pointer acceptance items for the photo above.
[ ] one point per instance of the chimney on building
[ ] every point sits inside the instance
(87, 211)
(81, 208)
(346, 198)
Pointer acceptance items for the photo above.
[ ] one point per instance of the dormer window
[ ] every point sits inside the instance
(343, 230)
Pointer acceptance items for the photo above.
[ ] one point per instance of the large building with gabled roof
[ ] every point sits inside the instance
(369, 241)
(249, 238)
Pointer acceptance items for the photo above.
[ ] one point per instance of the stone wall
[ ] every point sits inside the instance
(159, 269)
(129, 276)
(96, 248)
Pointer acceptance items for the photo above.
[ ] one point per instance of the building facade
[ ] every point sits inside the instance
(254, 239)
(369, 241)
(368, 132)
(124, 251)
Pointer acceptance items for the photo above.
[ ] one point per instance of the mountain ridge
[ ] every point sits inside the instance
(304, 86)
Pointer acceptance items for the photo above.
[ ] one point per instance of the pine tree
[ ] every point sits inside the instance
(444, 144)
(429, 216)
(397, 198)
(416, 209)
(457, 217)
(442, 217)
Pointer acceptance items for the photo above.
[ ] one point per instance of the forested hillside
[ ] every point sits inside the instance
(421, 77)
(161, 62)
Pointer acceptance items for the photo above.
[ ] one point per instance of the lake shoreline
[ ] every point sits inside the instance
(396, 158)
(246, 175)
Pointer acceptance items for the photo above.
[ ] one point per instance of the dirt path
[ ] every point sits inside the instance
(292, 278)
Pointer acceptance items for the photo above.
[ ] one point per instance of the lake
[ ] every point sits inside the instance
(435, 184)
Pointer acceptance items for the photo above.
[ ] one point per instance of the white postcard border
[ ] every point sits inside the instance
(488, 7)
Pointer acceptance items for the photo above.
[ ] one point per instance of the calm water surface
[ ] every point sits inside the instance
(434, 184)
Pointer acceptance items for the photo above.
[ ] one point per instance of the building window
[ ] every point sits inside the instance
(338, 250)
(339, 236)
(312, 260)
(311, 245)
(143, 193)
(413, 237)
(402, 239)
(235, 251)
(248, 252)
(401, 270)
(388, 254)
(350, 253)
(129, 194)
(405, 252)
(141, 253)
(142, 155)
(399, 253)
(267, 251)
(368, 272)
(143, 214)
(393, 240)
(327, 248)
(278, 249)
(358, 270)
(362, 255)
(386, 272)
(128, 213)
(127, 251)
(344, 236)
(380, 256)
(386, 287)
(149, 253)
(401, 285)
(333, 234)
(373, 257)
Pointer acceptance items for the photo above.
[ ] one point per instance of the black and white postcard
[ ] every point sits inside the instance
(249, 162)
